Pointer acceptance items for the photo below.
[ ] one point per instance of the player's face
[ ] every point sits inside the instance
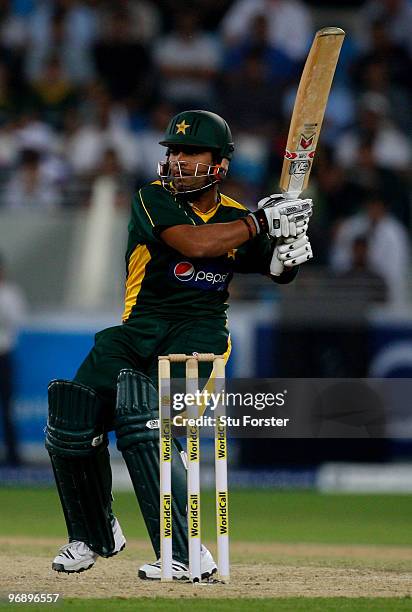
(187, 165)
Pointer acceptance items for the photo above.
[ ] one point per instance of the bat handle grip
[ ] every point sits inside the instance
(291, 195)
(276, 266)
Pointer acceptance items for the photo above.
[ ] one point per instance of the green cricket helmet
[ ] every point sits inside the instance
(202, 130)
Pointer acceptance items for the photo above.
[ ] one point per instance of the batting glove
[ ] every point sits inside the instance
(292, 252)
(280, 217)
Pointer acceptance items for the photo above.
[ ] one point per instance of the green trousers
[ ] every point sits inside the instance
(137, 345)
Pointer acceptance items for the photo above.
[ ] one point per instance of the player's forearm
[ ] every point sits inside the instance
(208, 240)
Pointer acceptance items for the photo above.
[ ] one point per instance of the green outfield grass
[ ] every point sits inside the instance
(288, 604)
(256, 516)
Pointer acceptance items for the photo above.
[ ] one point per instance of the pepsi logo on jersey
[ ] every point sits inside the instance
(184, 271)
(207, 275)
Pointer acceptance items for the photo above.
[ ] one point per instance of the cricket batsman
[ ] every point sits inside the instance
(186, 240)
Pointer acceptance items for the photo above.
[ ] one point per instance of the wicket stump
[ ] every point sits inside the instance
(193, 466)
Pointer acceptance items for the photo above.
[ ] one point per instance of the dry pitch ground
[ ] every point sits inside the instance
(258, 570)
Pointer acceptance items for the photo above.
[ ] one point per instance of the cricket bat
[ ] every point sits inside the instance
(309, 109)
(308, 113)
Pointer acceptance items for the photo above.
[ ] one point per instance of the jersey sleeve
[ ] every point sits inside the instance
(256, 255)
(153, 210)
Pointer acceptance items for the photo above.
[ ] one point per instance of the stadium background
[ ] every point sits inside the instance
(86, 89)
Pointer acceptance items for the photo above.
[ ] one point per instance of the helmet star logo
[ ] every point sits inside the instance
(182, 127)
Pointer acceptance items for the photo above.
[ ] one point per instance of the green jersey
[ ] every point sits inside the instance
(163, 282)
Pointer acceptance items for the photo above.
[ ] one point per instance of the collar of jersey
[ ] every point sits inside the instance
(205, 216)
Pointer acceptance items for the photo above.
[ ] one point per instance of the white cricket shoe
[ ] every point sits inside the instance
(77, 556)
(152, 571)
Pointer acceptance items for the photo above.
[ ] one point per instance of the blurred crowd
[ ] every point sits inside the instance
(87, 88)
